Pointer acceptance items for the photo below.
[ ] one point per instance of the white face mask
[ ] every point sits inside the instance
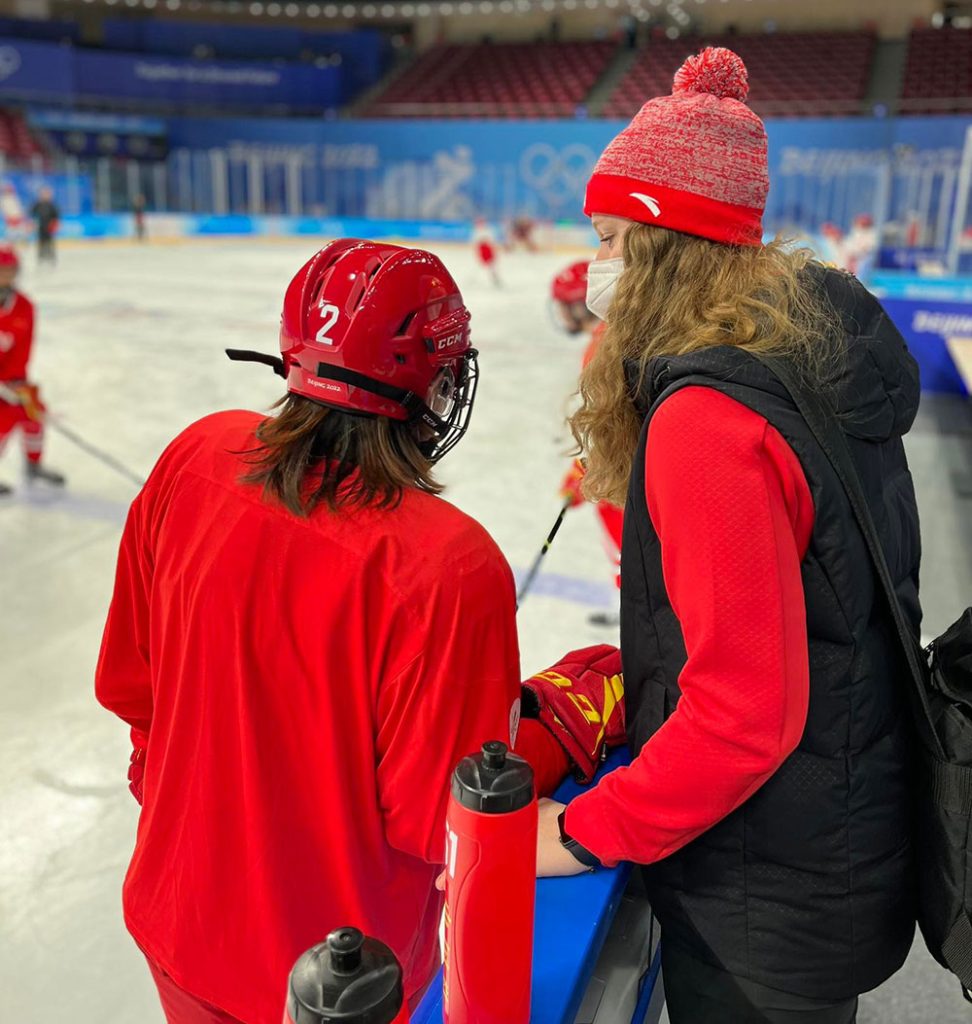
(602, 279)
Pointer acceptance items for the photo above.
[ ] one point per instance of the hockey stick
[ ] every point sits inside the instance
(12, 398)
(535, 568)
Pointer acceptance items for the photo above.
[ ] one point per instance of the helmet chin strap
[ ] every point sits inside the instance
(408, 400)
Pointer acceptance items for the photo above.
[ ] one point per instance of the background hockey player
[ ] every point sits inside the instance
(486, 249)
(46, 216)
(860, 246)
(305, 638)
(15, 221)
(20, 402)
(569, 296)
(520, 234)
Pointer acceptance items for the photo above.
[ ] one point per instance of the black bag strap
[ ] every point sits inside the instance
(822, 421)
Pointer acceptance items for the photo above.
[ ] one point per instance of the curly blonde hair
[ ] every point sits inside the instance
(678, 294)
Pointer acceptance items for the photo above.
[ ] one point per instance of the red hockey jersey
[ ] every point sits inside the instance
(16, 336)
(306, 687)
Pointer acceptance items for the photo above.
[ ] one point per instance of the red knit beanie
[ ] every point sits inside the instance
(694, 161)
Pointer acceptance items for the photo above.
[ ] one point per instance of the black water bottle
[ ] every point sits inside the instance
(348, 978)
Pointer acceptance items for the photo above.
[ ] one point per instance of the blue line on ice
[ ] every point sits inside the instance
(571, 588)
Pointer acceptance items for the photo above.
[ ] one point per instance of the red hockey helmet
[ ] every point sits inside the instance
(570, 285)
(8, 256)
(568, 299)
(381, 330)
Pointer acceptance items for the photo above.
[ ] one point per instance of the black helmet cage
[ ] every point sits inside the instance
(449, 430)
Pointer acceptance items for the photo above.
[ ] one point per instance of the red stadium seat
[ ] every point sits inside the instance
(813, 72)
(542, 79)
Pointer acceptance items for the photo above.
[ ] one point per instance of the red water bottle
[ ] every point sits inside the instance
(491, 870)
(347, 978)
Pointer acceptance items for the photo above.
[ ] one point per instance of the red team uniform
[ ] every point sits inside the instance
(20, 402)
(351, 650)
(16, 338)
(568, 293)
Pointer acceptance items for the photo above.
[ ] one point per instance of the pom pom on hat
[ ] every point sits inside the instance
(715, 71)
(688, 163)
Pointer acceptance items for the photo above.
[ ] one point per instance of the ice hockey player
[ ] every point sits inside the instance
(305, 638)
(12, 210)
(20, 402)
(860, 246)
(484, 243)
(568, 293)
(569, 296)
(521, 233)
(46, 215)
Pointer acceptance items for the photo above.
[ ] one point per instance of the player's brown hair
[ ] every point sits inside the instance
(677, 294)
(309, 454)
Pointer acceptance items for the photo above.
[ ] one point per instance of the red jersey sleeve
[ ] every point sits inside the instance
(461, 689)
(122, 678)
(16, 338)
(733, 512)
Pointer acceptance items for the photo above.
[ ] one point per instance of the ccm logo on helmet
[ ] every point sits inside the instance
(450, 340)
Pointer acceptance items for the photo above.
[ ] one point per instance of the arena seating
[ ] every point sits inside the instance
(16, 140)
(800, 74)
(939, 69)
(542, 79)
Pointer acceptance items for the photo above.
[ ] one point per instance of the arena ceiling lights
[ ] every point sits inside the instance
(409, 9)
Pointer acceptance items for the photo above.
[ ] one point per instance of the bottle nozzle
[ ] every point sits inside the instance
(494, 755)
(344, 945)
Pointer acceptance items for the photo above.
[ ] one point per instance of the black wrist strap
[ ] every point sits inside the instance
(574, 848)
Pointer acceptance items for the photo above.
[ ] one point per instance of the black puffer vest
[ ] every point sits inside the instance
(808, 886)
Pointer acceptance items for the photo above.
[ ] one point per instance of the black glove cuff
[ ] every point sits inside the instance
(529, 702)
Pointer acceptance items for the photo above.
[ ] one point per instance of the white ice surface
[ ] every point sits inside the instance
(129, 351)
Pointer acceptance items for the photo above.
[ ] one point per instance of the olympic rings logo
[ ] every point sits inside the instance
(557, 175)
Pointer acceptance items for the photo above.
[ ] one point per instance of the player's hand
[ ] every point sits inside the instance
(28, 395)
(552, 858)
(571, 487)
(580, 700)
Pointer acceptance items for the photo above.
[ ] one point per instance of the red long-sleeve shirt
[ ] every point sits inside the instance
(306, 687)
(733, 512)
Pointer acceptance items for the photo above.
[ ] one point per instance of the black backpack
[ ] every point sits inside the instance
(942, 702)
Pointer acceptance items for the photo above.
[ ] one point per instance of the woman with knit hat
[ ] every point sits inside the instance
(768, 797)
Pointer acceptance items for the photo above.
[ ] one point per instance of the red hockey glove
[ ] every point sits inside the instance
(581, 701)
(571, 487)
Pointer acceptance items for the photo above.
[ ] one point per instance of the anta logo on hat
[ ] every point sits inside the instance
(652, 204)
